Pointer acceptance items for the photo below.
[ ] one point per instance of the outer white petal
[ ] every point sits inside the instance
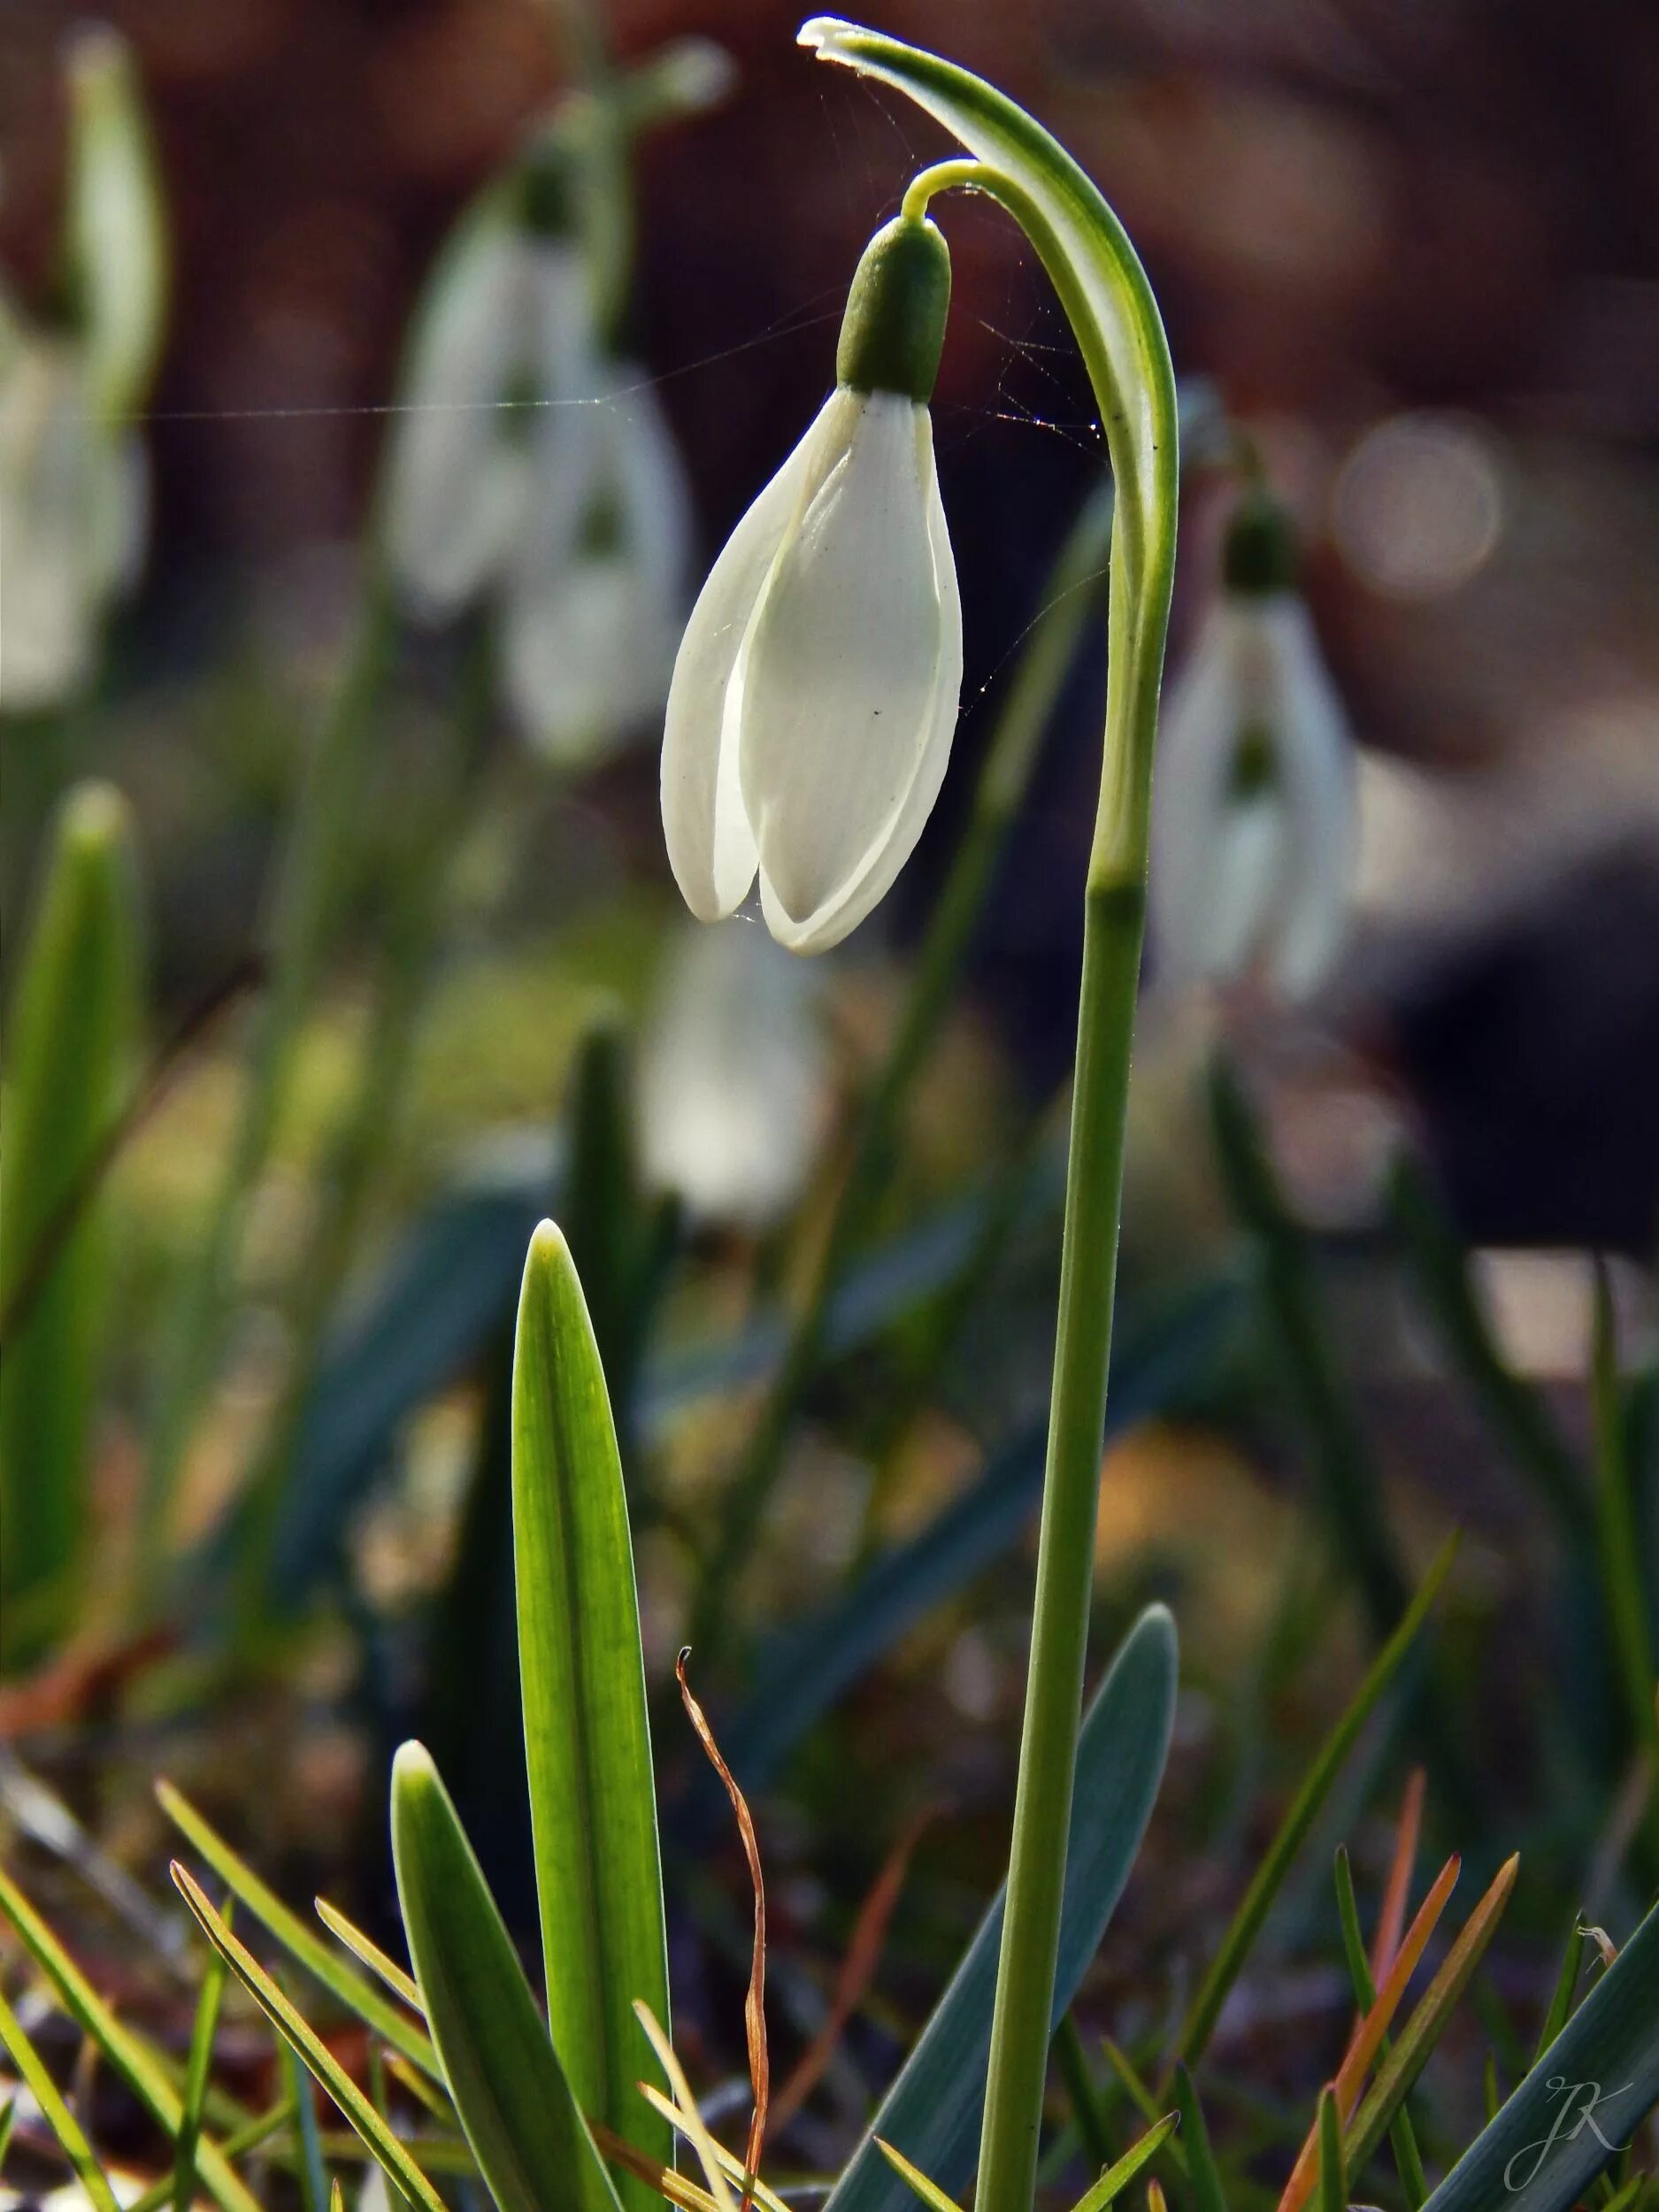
(732, 1069)
(710, 847)
(1319, 788)
(842, 914)
(849, 653)
(455, 478)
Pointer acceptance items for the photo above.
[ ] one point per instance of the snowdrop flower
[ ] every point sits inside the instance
(1253, 815)
(815, 693)
(533, 470)
(732, 1077)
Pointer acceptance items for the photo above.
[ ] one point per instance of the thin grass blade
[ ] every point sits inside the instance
(1269, 1875)
(36, 2078)
(587, 1746)
(358, 1995)
(376, 2136)
(1117, 2178)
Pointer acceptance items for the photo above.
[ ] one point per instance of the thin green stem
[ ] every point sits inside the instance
(1069, 596)
(1619, 1550)
(309, 885)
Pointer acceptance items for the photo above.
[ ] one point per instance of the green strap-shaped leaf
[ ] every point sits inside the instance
(70, 1039)
(1540, 2154)
(512, 2093)
(932, 2112)
(1117, 2178)
(588, 1746)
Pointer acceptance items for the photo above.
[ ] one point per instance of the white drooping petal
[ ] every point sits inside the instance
(864, 891)
(842, 668)
(457, 473)
(595, 589)
(710, 847)
(1252, 858)
(731, 1076)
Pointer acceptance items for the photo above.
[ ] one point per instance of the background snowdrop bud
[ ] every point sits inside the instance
(1253, 818)
(815, 694)
(731, 1076)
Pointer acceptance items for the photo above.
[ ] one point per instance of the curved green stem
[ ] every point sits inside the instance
(1109, 302)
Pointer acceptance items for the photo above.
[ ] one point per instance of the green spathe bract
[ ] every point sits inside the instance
(588, 1749)
(1109, 305)
(71, 1038)
(893, 329)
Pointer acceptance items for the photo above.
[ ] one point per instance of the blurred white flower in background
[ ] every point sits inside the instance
(733, 1076)
(74, 482)
(530, 468)
(816, 692)
(72, 511)
(1253, 815)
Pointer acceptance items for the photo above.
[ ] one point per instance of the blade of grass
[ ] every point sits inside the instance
(126, 2052)
(1269, 1877)
(1373, 2028)
(309, 2170)
(588, 1746)
(1117, 2178)
(1517, 1414)
(1559, 2010)
(196, 2078)
(1397, 1894)
(376, 2136)
(1419, 2037)
(1616, 1532)
(1401, 2134)
(857, 1972)
(1088, 2106)
(932, 2112)
(680, 2108)
(365, 1948)
(916, 2181)
(1332, 2175)
(258, 2131)
(356, 1994)
(36, 2078)
(673, 2187)
(1208, 2195)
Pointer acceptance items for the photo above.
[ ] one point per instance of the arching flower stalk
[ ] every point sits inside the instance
(74, 481)
(1253, 829)
(795, 751)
